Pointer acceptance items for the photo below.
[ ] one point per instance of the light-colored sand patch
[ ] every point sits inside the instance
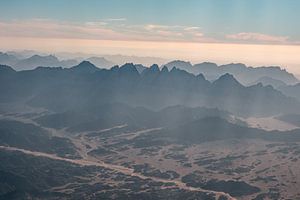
(269, 123)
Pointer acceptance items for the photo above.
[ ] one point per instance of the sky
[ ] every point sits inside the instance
(256, 32)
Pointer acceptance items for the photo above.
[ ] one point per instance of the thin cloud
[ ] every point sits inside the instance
(54, 29)
(116, 19)
(178, 33)
(108, 30)
(99, 30)
(192, 28)
(97, 23)
(258, 37)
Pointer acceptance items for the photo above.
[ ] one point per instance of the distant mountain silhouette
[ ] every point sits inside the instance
(4, 69)
(245, 75)
(7, 59)
(37, 61)
(67, 63)
(291, 90)
(86, 84)
(140, 67)
(84, 67)
(22, 54)
(227, 81)
(128, 69)
(101, 62)
(151, 72)
(34, 61)
(187, 66)
(274, 76)
(269, 81)
(144, 60)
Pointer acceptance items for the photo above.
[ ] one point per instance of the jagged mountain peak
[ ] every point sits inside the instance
(100, 62)
(115, 68)
(154, 68)
(165, 69)
(85, 66)
(48, 57)
(128, 68)
(226, 79)
(201, 76)
(6, 69)
(185, 65)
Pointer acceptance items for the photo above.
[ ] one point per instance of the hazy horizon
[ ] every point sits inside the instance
(195, 31)
(224, 59)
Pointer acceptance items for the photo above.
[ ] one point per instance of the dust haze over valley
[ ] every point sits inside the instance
(149, 100)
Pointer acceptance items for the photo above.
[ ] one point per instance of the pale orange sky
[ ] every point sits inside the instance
(287, 56)
(256, 32)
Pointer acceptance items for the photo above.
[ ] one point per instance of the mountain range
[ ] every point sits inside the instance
(85, 84)
(27, 63)
(101, 62)
(133, 132)
(266, 80)
(34, 61)
(11, 58)
(245, 75)
(274, 76)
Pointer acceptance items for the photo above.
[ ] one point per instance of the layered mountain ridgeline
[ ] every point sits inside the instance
(291, 90)
(62, 89)
(34, 61)
(270, 75)
(265, 80)
(101, 62)
(8, 59)
(245, 75)
(34, 138)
